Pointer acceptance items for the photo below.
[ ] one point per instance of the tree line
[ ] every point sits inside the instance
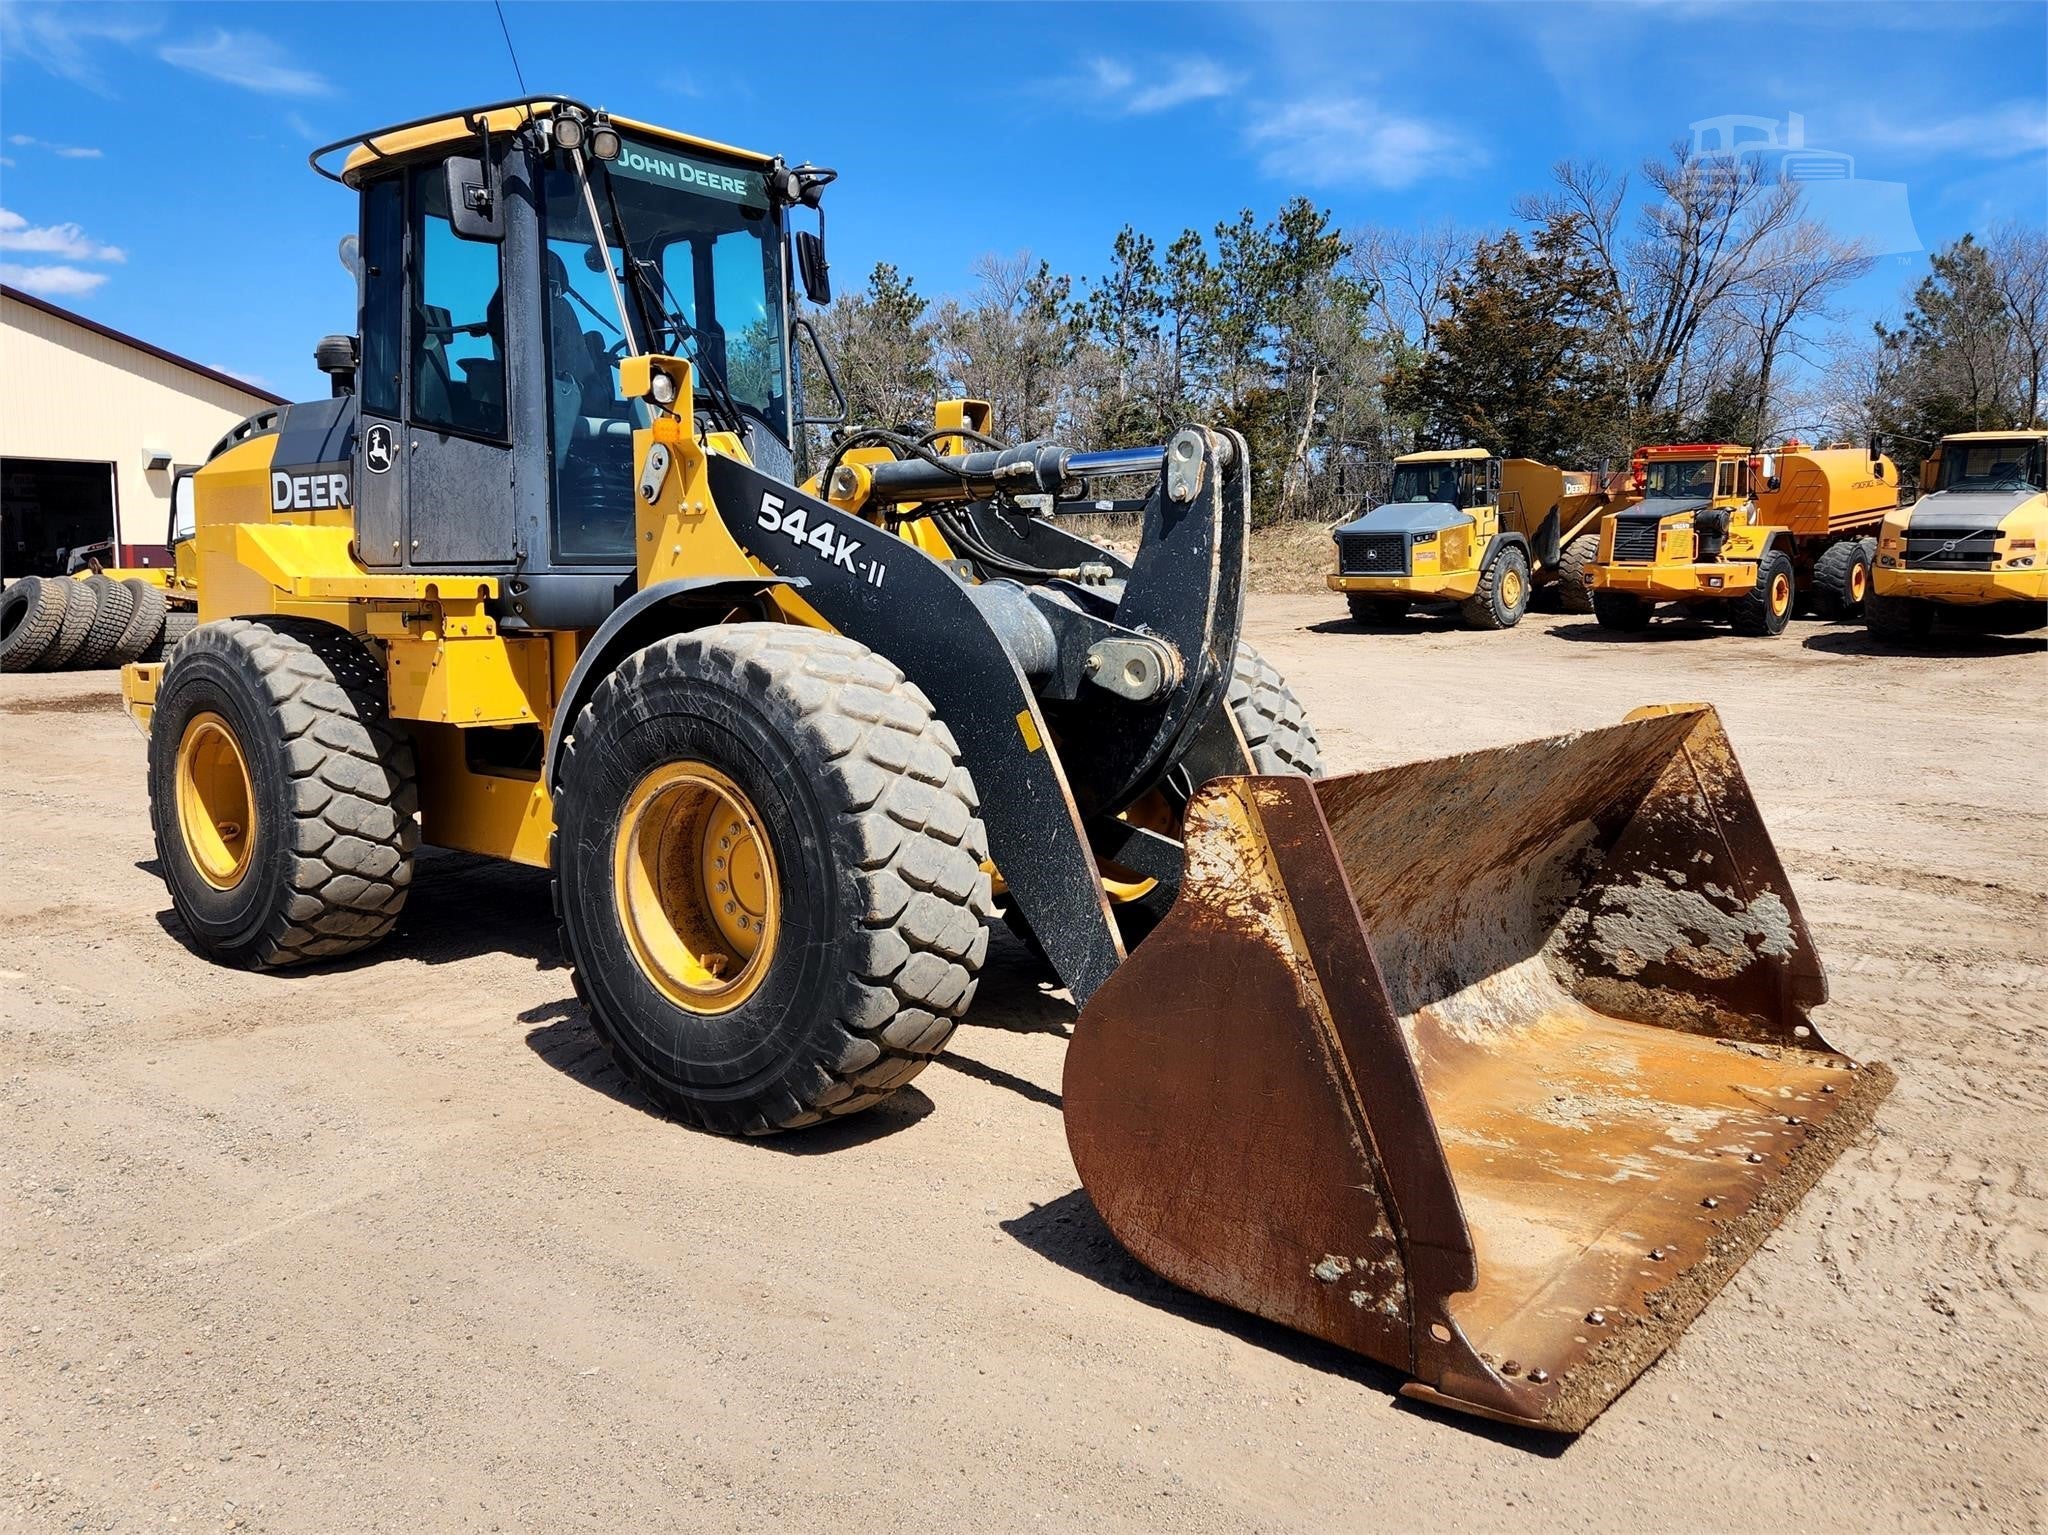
(1702, 309)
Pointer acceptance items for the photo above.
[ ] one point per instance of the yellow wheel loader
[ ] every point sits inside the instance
(1723, 533)
(1973, 550)
(1492, 1069)
(1467, 532)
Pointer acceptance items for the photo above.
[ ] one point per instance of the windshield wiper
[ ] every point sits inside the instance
(662, 301)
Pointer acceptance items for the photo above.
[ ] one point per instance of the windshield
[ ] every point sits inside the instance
(2012, 465)
(1427, 483)
(710, 290)
(1690, 479)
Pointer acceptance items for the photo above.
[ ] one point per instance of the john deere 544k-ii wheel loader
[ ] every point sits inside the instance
(1492, 1069)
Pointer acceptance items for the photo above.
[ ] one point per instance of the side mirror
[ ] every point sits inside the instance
(811, 267)
(1876, 446)
(474, 209)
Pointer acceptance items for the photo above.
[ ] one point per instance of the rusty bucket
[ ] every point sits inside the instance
(1493, 1068)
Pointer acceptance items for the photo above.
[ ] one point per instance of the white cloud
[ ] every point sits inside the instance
(1327, 140)
(54, 281)
(2016, 128)
(1121, 89)
(62, 151)
(66, 241)
(247, 59)
(63, 40)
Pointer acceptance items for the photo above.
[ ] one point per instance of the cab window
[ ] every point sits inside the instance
(382, 259)
(458, 319)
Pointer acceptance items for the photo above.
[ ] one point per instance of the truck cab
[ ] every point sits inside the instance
(1972, 542)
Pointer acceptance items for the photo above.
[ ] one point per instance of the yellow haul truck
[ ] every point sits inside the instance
(542, 580)
(1725, 533)
(1971, 550)
(1464, 529)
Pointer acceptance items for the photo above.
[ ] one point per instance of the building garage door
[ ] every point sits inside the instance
(48, 509)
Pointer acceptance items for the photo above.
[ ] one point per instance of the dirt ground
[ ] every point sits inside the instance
(387, 1247)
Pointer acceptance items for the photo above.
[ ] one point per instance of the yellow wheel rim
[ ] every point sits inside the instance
(216, 801)
(1511, 587)
(1781, 592)
(1859, 581)
(695, 884)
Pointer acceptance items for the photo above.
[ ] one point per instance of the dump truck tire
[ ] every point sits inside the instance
(31, 613)
(1766, 607)
(1575, 573)
(113, 606)
(822, 958)
(1503, 595)
(1274, 724)
(1624, 612)
(178, 622)
(1377, 612)
(1897, 619)
(145, 624)
(81, 604)
(282, 796)
(1841, 578)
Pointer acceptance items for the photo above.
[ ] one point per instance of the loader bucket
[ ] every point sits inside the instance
(1492, 1068)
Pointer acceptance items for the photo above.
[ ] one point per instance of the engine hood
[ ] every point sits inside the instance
(1406, 517)
(1966, 508)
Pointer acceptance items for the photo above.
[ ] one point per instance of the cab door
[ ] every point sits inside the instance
(457, 447)
(380, 376)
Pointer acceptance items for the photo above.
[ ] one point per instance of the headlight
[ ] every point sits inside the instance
(661, 388)
(1425, 538)
(569, 132)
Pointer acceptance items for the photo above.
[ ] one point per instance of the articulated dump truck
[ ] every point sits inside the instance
(1724, 533)
(1973, 550)
(1491, 1068)
(1467, 532)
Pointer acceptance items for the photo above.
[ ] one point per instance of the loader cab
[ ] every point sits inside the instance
(506, 266)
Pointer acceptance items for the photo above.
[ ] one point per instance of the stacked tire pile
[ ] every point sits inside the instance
(51, 625)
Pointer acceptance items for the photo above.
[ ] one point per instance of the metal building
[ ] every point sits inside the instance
(93, 424)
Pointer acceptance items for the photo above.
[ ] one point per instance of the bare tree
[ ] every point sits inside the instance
(1010, 343)
(1409, 273)
(1693, 244)
(2019, 271)
(1793, 274)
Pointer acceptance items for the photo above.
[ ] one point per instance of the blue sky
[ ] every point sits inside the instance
(153, 165)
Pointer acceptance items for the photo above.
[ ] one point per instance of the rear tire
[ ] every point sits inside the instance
(31, 613)
(1841, 578)
(1575, 573)
(145, 624)
(1376, 612)
(1503, 594)
(113, 607)
(839, 780)
(1766, 607)
(1623, 612)
(1898, 619)
(310, 855)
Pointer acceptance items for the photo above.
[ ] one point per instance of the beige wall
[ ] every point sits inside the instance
(68, 392)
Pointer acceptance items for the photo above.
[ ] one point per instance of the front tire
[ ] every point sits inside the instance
(1766, 607)
(1898, 619)
(282, 797)
(1503, 594)
(1376, 612)
(1623, 612)
(829, 774)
